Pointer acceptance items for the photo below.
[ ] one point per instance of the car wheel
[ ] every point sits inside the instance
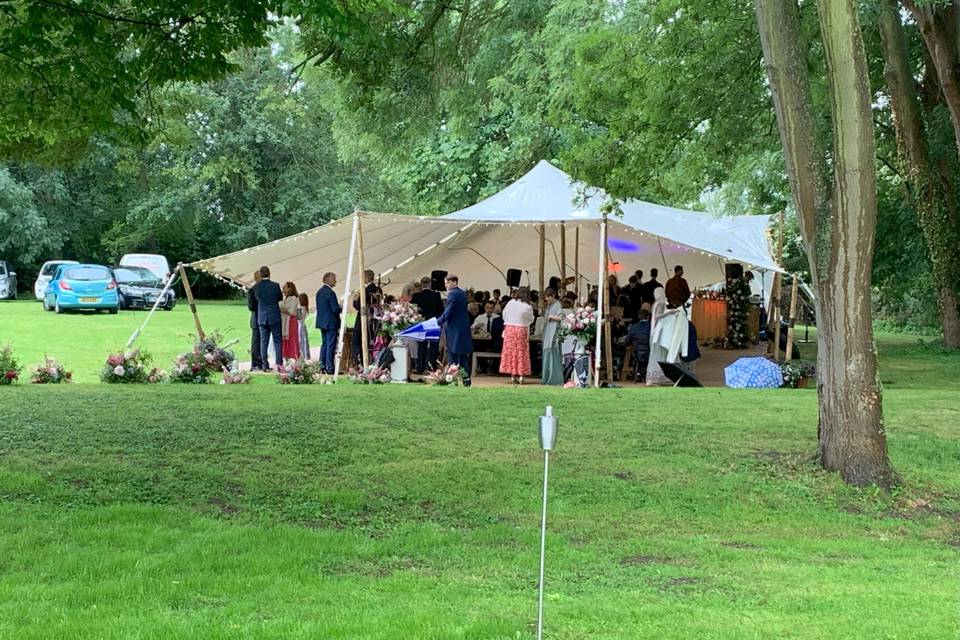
(13, 296)
(120, 302)
(46, 307)
(56, 306)
(113, 311)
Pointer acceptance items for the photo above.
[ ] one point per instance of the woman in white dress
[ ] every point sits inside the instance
(659, 319)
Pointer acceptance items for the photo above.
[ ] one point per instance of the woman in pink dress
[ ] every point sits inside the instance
(289, 325)
(517, 318)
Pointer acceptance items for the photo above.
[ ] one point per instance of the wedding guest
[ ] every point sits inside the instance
(370, 290)
(639, 336)
(289, 329)
(431, 306)
(256, 360)
(456, 326)
(517, 318)
(658, 314)
(268, 296)
(473, 309)
(552, 373)
(328, 321)
(635, 290)
(678, 292)
(303, 310)
(648, 287)
(488, 330)
(483, 323)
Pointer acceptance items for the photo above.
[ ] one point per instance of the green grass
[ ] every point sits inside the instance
(412, 512)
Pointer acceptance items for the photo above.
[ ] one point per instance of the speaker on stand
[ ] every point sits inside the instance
(513, 278)
(437, 280)
(733, 270)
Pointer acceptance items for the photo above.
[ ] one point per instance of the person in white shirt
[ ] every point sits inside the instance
(484, 321)
(517, 317)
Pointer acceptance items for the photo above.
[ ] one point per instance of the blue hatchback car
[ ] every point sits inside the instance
(81, 286)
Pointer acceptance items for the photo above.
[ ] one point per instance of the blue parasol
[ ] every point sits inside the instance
(753, 373)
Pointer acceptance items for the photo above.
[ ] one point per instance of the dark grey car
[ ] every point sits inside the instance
(139, 288)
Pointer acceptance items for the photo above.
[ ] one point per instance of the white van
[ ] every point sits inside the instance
(156, 263)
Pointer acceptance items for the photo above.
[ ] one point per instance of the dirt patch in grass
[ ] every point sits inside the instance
(623, 475)
(746, 546)
(680, 582)
(641, 560)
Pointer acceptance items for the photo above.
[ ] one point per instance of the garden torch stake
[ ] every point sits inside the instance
(548, 439)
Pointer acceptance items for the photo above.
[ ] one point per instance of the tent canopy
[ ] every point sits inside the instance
(481, 242)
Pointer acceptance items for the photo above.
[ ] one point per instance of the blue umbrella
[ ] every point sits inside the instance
(426, 330)
(753, 373)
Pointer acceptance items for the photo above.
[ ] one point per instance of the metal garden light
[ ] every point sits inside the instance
(548, 440)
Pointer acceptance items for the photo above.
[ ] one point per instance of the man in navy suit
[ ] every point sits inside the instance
(431, 306)
(455, 321)
(256, 360)
(328, 320)
(268, 296)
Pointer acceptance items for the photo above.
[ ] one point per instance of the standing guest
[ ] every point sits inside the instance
(677, 290)
(517, 318)
(456, 326)
(552, 373)
(268, 295)
(495, 295)
(371, 290)
(256, 361)
(635, 291)
(658, 317)
(328, 320)
(431, 306)
(303, 310)
(646, 291)
(409, 291)
(554, 283)
(613, 288)
(290, 327)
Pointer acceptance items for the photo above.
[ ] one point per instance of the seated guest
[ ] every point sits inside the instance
(484, 322)
(487, 332)
(473, 309)
(639, 336)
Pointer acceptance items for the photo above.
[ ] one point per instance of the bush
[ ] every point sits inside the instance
(10, 367)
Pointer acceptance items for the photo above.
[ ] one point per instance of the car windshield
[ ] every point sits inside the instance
(136, 276)
(86, 273)
(50, 269)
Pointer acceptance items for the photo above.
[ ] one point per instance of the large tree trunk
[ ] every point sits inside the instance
(928, 188)
(938, 26)
(838, 231)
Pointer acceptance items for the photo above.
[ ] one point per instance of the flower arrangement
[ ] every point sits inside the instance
(791, 374)
(235, 377)
(452, 374)
(206, 358)
(50, 372)
(129, 367)
(397, 316)
(582, 324)
(371, 375)
(299, 372)
(10, 367)
(737, 294)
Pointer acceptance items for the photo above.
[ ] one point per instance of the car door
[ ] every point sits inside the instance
(52, 287)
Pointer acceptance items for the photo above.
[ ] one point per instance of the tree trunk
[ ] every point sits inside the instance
(928, 188)
(838, 231)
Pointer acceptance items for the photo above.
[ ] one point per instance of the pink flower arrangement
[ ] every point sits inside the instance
(299, 372)
(9, 366)
(450, 375)
(371, 375)
(129, 367)
(398, 316)
(235, 377)
(582, 324)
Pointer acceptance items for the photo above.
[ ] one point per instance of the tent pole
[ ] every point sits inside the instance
(607, 327)
(788, 353)
(346, 298)
(775, 316)
(601, 271)
(364, 324)
(190, 300)
(163, 294)
(576, 262)
(543, 247)
(563, 257)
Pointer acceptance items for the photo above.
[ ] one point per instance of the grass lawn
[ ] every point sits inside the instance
(412, 512)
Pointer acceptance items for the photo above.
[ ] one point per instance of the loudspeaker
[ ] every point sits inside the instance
(513, 277)
(436, 280)
(734, 270)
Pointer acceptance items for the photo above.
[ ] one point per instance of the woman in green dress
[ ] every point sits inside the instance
(552, 361)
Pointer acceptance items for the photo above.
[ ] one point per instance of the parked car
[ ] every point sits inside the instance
(139, 288)
(46, 274)
(155, 262)
(81, 286)
(8, 281)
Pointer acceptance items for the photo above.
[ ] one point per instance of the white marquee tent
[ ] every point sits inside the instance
(481, 242)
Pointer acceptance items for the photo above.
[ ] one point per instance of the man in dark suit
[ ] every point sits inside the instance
(268, 296)
(256, 361)
(328, 320)
(371, 290)
(648, 287)
(455, 321)
(431, 306)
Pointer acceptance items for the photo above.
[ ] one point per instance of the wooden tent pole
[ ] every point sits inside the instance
(364, 320)
(607, 325)
(563, 257)
(788, 353)
(775, 316)
(190, 300)
(543, 249)
(576, 262)
(346, 296)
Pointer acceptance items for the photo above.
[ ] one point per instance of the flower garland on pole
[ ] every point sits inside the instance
(738, 294)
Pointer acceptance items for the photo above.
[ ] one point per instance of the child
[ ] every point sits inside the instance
(302, 312)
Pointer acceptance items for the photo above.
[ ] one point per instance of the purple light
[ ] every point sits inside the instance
(622, 245)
